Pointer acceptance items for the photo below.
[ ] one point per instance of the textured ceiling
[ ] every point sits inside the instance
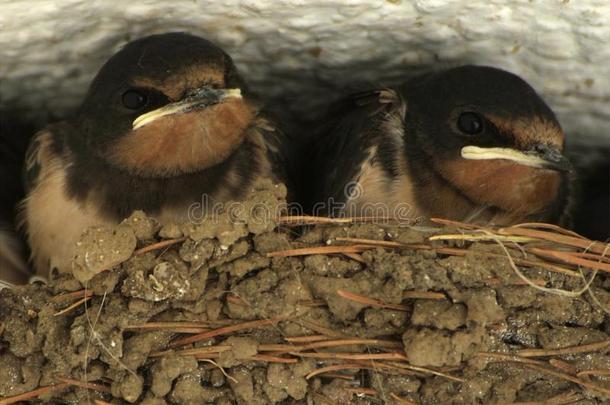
(303, 50)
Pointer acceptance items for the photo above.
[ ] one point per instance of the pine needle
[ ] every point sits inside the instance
(225, 331)
(26, 396)
(158, 245)
(371, 301)
(591, 347)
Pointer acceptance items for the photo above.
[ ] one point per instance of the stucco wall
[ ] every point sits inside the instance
(300, 50)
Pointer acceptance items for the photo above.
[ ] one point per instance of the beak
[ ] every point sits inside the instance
(541, 156)
(200, 98)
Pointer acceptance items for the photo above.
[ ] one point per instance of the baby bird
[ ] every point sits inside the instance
(470, 143)
(166, 120)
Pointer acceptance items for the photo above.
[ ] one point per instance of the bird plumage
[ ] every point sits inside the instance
(399, 152)
(166, 123)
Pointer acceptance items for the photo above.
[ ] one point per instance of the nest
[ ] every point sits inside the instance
(238, 308)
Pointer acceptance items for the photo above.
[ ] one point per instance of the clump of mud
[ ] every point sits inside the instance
(210, 312)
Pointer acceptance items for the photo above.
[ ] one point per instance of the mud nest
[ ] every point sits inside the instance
(243, 307)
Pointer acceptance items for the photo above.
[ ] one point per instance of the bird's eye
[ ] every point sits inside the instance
(134, 99)
(470, 123)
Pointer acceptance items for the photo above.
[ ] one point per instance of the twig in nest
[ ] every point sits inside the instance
(402, 401)
(568, 377)
(590, 290)
(73, 306)
(158, 245)
(334, 367)
(222, 370)
(86, 385)
(542, 368)
(592, 246)
(313, 220)
(562, 365)
(318, 250)
(428, 371)
(225, 330)
(26, 396)
(372, 242)
(313, 303)
(352, 356)
(532, 231)
(481, 237)
(542, 225)
(196, 351)
(349, 377)
(370, 301)
(94, 335)
(546, 266)
(591, 347)
(73, 295)
(306, 338)
(273, 347)
(556, 291)
(600, 372)
(355, 256)
(177, 327)
(280, 349)
(592, 256)
(570, 258)
(376, 366)
(388, 344)
(463, 252)
(273, 359)
(521, 262)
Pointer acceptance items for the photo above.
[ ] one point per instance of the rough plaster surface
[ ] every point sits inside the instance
(301, 50)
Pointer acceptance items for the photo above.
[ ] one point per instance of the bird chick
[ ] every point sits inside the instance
(166, 121)
(470, 143)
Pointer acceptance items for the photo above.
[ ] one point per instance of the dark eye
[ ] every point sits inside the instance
(134, 99)
(470, 123)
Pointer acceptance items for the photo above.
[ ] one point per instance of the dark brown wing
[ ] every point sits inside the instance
(342, 143)
(280, 138)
